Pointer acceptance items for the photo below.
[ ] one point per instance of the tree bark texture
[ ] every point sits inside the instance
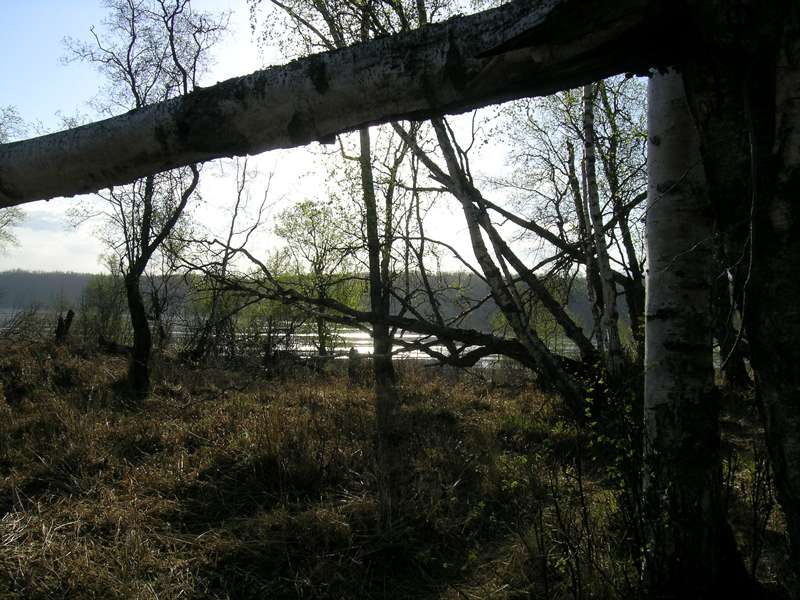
(386, 397)
(139, 366)
(745, 97)
(634, 285)
(682, 479)
(612, 345)
(551, 373)
(379, 300)
(474, 206)
(594, 289)
(450, 67)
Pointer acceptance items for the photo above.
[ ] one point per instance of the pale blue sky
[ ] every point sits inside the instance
(31, 35)
(42, 89)
(37, 83)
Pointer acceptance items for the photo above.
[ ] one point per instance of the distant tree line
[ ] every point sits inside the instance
(61, 290)
(22, 289)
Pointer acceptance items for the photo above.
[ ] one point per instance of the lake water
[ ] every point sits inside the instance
(44, 322)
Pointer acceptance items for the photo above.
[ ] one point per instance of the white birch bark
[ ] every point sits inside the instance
(442, 68)
(609, 321)
(682, 471)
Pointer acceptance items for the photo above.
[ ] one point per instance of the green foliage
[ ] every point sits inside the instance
(321, 262)
(319, 251)
(103, 310)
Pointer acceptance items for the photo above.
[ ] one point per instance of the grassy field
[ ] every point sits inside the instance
(227, 485)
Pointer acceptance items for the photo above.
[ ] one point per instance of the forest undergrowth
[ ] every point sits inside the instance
(225, 484)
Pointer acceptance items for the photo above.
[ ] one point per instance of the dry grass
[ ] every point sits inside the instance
(224, 485)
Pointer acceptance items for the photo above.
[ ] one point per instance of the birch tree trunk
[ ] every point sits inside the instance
(449, 67)
(594, 289)
(614, 357)
(689, 543)
(505, 296)
(634, 288)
